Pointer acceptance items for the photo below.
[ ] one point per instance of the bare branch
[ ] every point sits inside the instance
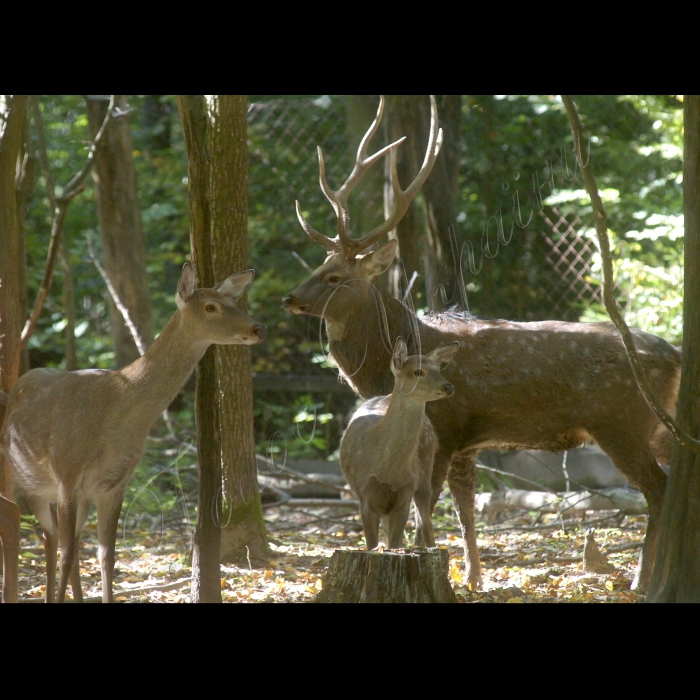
(623, 329)
(71, 190)
(115, 298)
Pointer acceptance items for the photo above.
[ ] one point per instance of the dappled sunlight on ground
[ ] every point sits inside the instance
(523, 560)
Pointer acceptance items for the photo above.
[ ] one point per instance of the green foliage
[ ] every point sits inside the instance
(636, 156)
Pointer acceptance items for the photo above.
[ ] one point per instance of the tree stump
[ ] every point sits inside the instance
(403, 576)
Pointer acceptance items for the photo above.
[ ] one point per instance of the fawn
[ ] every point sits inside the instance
(388, 448)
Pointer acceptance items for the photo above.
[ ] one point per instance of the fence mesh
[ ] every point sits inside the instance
(283, 136)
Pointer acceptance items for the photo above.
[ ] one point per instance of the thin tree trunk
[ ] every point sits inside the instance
(12, 314)
(404, 120)
(676, 577)
(244, 528)
(119, 214)
(206, 580)
(366, 200)
(441, 195)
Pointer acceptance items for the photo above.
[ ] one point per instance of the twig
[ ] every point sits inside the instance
(551, 526)
(297, 475)
(514, 476)
(345, 523)
(129, 592)
(115, 298)
(623, 329)
(527, 563)
(305, 265)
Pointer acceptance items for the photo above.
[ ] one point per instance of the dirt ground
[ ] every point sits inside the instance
(525, 559)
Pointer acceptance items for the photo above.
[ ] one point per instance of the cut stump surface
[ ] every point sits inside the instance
(401, 576)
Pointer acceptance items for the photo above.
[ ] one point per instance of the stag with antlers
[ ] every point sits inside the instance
(546, 385)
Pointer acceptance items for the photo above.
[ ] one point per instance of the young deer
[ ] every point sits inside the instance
(548, 385)
(388, 448)
(75, 437)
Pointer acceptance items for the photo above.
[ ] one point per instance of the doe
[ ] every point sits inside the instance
(388, 448)
(76, 437)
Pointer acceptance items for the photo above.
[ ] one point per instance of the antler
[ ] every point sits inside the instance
(342, 243)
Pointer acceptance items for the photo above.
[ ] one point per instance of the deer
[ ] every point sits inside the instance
(547, 385)
(387, 450)
(76, 437)
(9, 531)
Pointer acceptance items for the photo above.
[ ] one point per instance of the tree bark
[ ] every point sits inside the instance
(404, 120)
(676, 576)
(366, 200)
(206, 579)
(13, 109)
(418, 576)
(441, 195)
(122, 238)
(243, 533)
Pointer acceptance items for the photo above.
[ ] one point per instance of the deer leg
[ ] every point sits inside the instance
(9, 533)
(462, 481)
(397, 524)
(108, 510)
(67, 516)
(441, 464)
(424, 523)
(81, 517)
(46, 516)
(634, 458)
(370, 523)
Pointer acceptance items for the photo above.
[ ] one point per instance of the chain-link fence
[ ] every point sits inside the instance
(283, 136)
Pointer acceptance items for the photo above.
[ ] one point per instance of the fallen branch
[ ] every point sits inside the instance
(129, 592)
(631, 502)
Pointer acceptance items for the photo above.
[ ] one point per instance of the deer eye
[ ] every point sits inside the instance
(333, 279)
(210, 308)
(419, 373)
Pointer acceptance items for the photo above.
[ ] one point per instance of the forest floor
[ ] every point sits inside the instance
(524, 559)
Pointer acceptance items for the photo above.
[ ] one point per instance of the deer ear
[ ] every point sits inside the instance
(185, 286)
(372, 264)
(234, 286)
(399, 356)
(445, 353)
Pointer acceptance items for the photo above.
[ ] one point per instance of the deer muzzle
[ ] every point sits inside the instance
(291, 304)
(260, 331)
(448, 389)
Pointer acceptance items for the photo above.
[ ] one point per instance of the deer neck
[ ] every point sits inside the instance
(154, 380)
(361, 340)
(402, 425)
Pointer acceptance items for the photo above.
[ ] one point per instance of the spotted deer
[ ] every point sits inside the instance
(388, 448)
(76, 437)
(546, 385)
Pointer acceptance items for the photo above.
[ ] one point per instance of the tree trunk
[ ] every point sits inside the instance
(119, 215)
(366, 203)
(244, 528)
(206, 579)
(676, 576)
(419, 576)
(441, 195)
(404, 120)
(13, 110)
